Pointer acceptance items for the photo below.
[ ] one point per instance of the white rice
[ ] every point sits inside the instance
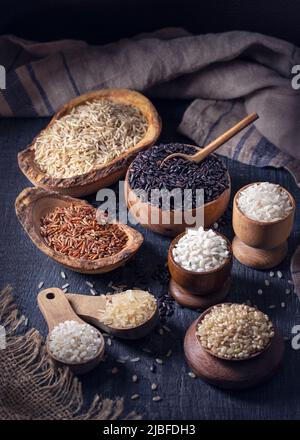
(199, 250)
(265, 202)
(73, 342)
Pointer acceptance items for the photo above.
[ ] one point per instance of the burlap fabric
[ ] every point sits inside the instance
(30, 388)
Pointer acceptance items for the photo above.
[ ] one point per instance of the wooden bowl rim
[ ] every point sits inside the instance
(227, 261)
(252, 356)
(100, 171)
(211, 203)
(33, 194)
(259, 222)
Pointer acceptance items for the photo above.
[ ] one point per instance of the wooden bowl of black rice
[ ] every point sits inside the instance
(169, 198)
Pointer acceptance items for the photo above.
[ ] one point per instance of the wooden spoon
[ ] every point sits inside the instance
(56, 309)
(210, 148)
(89, 308)
(34, 203)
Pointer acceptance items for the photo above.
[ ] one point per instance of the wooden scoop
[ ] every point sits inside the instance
(210, 148)
(56, 309)
(89, 308)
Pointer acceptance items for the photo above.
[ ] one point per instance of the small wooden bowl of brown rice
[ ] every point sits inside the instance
(234, 332)
(91, 141)
(224, 348)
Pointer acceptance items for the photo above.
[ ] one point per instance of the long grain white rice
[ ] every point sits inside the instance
(128, 309)
(265, 202)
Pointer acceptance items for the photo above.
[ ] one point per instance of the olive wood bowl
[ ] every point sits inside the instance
(229, 374)
(34, 203)
(257, 244)
(199, 289)
(100, 176)
(173, 223)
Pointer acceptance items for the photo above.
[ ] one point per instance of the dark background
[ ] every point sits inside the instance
(99, 21)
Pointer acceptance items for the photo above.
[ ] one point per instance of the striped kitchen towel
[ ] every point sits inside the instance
(204, 120)
(226, 75)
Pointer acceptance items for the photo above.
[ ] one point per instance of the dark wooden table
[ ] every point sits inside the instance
(23, 266)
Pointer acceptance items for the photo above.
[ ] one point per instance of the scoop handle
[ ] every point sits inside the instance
(87, 307)
(212, 146)
(55, 307)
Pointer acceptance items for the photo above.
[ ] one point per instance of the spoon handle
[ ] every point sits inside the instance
(210, 148)
(87, 307)
(55, 307)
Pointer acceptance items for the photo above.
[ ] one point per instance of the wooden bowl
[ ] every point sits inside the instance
(172, 223)
(34, 203)
(262, 235)
(253, 355)
(228, 374)
(257, 244)
(102, 175)
(200, 283)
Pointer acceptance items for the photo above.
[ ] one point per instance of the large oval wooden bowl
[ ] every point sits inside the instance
(258, 234)
(166, 223)
(102, 175)
(200, 283)
(34, 203)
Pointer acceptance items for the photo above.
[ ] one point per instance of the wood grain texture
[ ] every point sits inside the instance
(186, 298)
(34, 203)
(231, 374)
(261, 245)
(200, 283)
(259, 258)
(183, 398)
(173, 223)
(89, 308)
(262, 235)
(103, 175)
(56, 309)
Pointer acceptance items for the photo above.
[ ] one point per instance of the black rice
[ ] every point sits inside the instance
(146, 174)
